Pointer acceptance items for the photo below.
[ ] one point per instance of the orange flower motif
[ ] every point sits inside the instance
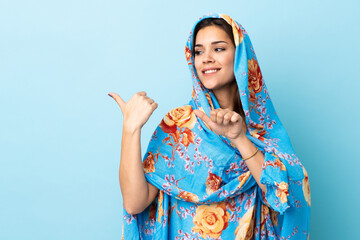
(211, 220)
(255, 80)
(176, 135)
(212, 183)
(258, 134)
(160, 208)
(238, 36)
(187, 53)
(264, 212)
(148, 163)
(282, 191)
(208, 97)
(252, 96)
(256, 125)
(245, 230)
(179, 117)
(243, 178)
(189, 197)
(306, 187)
(188, 137)
(278, 163)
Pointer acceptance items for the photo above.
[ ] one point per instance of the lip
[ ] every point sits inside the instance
(206, 69)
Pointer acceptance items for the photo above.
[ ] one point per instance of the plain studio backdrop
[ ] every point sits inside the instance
(60, 133)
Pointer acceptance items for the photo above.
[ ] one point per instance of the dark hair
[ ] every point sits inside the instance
(219, 22)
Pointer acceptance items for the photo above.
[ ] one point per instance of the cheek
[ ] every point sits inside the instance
(228, 61)
(229, 66)
(196, 64)
(231, 61)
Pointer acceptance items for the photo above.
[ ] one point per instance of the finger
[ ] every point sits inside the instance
(220, 113)
(227, 117)
(154, 105)
(213, 114)
(236, 117)
(142, 93)
(118, 99)
(205, 118)
(151, 101)
(220, 116)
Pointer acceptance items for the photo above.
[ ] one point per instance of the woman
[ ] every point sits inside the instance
(221, 167)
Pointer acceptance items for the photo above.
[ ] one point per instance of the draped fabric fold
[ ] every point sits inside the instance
(206, 189)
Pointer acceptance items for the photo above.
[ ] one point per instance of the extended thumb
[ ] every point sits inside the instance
(118, 99)
(205, 118)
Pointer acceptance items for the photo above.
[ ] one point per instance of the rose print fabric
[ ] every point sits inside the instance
(206, 189)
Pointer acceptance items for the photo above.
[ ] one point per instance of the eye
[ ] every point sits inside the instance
(197, 52)
(219, 49)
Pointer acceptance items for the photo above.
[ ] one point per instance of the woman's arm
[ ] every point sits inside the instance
(247, 148)
(136, 191)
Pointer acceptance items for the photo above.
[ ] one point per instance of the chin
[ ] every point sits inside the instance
(210, 87)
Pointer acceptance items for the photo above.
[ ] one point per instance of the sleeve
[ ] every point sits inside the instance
(284, 179)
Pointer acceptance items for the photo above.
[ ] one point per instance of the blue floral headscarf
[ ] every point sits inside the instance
(206, 190)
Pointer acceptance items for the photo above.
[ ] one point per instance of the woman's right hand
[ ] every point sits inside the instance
(137, 193)
(136, 111)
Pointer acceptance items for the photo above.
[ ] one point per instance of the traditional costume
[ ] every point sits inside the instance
(206, 189)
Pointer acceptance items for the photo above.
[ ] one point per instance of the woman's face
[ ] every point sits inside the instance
(214, 58)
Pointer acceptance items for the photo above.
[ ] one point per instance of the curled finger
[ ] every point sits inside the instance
(236, 117)
(154, 105)
(227, 117)
(220, 116)
(142, 93)
(213, 114)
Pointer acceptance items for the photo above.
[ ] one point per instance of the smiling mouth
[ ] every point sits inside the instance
(211, 71)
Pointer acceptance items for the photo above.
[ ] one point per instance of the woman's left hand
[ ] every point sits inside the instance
(224, 122)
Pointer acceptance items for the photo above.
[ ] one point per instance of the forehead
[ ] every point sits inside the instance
(211, 34)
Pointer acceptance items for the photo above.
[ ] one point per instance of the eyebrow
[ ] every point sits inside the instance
(216, 42)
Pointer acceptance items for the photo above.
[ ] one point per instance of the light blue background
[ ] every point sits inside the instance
(60, 134)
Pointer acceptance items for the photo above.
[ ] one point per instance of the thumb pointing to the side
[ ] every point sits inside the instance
(119, 100)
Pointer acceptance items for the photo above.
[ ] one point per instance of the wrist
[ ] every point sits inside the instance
(130, 128)
(240, 140)
(244, 145)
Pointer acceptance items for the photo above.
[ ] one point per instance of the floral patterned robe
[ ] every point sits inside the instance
(206, 189)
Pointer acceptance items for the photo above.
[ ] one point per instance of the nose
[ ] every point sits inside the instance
(208, 57)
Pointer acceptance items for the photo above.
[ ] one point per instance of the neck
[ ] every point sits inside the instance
(229, 98)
